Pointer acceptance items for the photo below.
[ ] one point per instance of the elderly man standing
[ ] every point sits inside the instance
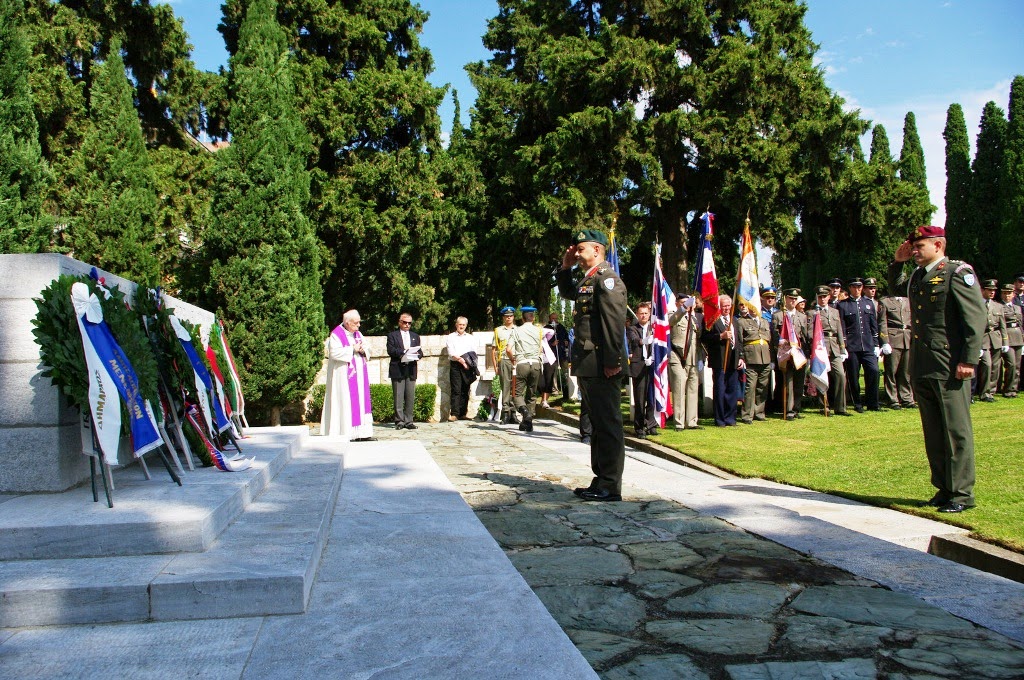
(598, 356)
(725, 359)
(462, 368)
(404, 349)
(686, 323)
(948, 316)
(348, 411)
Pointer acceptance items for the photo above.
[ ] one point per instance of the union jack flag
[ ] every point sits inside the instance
(662, 306)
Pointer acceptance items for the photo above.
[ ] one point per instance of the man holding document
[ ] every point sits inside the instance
(404, 350)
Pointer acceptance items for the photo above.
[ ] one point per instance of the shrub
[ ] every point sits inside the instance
(382, 401)
(315, 408)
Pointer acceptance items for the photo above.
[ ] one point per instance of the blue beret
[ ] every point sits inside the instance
(528, 309)
(507, 310)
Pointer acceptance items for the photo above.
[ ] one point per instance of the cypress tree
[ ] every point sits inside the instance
(1012, 185)
(962, 239)
(112, 223)
(265, 271)
(22, 170)
(912, 154)
(985, 214)
(880, 149)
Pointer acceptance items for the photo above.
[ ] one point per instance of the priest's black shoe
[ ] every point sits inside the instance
(599, 495)
(952, 507)
(410, 426)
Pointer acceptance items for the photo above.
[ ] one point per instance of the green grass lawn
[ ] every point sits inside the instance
(876, 458)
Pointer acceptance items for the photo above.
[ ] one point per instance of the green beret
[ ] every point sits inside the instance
(592, 235)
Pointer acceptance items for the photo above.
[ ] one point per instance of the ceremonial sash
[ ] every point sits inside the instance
(235, 387)
(111, 373)
(202, 380)
(356, 370)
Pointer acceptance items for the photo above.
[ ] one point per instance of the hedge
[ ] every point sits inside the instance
(382, 401)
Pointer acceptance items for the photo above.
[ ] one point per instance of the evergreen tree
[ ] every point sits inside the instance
(265, 272)
(113, 209)
(880, 148)
(23, 173)
(912, 154)
(1012, 185)
(986, 197)
(960, 234)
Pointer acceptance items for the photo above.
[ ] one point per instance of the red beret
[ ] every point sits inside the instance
(927, 232)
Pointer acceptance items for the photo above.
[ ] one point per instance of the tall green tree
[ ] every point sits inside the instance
(1012, 185)
(960, 232)
(376, 158)
(881, 151)
(112, 216)
(23, 173)
(912, 167)
(985, 219)
(265, 272)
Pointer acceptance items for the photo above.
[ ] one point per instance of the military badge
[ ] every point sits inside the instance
(609, 284)
(969, 279)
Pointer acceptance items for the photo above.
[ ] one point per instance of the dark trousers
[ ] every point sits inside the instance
(607, 446)
(853, 365)
(643, 404)
(461, 379)
(727, 392)
(945, 407)
(586, 427)
(404, 392)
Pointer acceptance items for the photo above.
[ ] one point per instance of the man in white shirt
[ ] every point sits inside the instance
(462, 368)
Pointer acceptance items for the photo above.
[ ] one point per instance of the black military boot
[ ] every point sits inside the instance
(527, 424)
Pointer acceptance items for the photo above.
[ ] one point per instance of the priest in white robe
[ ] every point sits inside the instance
(347, 407)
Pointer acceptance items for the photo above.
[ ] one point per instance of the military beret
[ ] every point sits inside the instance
(1007, 288)
(836, 283)
(592, 235)
(527, 309)
(927, 231)
(769, 291)
(507, 310)
(855, 281)
(990, 283)
(792, 292)
(823, 290)
(871, 282)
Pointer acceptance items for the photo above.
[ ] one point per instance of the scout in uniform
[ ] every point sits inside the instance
(860, 324)
(835, 345)
(791, 379)
(756, 344)
(1011, 360)
(503, 364)
(993, 342)
(948, 317)
(894, 332)
(598, 356)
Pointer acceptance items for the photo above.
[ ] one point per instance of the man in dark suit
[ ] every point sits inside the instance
(640, 338)
(725, 359)
(405, 351)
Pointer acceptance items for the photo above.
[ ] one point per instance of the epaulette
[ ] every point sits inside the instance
(601, 270)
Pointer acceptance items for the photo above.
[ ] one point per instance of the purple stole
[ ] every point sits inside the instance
(353, 377)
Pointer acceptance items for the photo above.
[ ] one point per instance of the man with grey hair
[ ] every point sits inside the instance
(725, 360)
(348, 411)
(462, 368)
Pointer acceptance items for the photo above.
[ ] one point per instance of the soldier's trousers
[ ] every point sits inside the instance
(896, 368)
(837, 385)
(793, 388)
(869, 361)
(607, 445)
(684, 381)
(759, 379)
(985, 377)
(527, 380)
(945, 407)
(1010, 362)
(506, 370)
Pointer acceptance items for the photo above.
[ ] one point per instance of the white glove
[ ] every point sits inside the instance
(649, 361)
(1006, 349)
(649, 340)
(688, 302)
(771, 366)
(886, 349)
(844, 356)
(878, 352)
(981, 354)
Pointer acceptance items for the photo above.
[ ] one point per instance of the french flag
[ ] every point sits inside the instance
(706, 282)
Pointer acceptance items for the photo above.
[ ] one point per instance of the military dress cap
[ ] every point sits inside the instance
(990, 283)
(835, 283)
(527, 309)
(591, 235)
(870, 282)
(823, 290)
(1007, 288)
(769, 291)
(855, 281)
(927, 231)
(506, 310)
(792, 292)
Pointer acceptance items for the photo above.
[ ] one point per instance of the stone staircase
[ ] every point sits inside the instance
(223, 545)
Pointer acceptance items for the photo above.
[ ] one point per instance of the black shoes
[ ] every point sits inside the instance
(365, 439)
(953, 507)
(585, 439)
(527, 424)
(858, 408)
(987, 399)
(410, 426)
(895, 407)
(599, 495)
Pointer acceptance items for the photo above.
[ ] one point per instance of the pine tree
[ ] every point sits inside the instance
(961, 237)
(1012, 185)
(984, 204)
(912, 154)
(265, 272)
(23, 173)
(112, 214)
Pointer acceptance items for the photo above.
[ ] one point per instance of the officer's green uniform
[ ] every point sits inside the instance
(756, 342)
(1015, 339)
(599, 342)
(505, 371)
(525, 345)
(948, 318)
(992, 343)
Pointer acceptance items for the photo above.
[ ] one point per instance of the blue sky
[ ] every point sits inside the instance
(885, 57)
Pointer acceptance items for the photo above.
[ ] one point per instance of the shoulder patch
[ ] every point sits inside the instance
(969, 279)
(961, 267)
(609, 283)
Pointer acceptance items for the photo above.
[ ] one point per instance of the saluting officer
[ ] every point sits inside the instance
(835, 345)
(598, 356)
(993, 342)
(894, 332)
(860, 323)
(1011, 360)
(948, 317)
(756, 343)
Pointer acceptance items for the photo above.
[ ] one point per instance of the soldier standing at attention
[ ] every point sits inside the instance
(948, 316)
(835, 345)
(860, 324)
(503, 363)
(1011, 360)
(790, 378)
(598, 356)
(894, 332)
(525, 349)
(687, 324)
(993, 341)
(756, 345)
